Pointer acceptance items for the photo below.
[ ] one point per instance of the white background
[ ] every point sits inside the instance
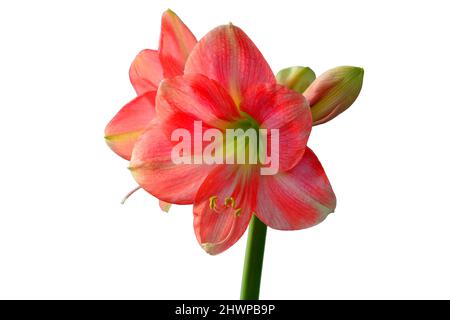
(64, 74)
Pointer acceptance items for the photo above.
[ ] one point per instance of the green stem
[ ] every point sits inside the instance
(253, 263)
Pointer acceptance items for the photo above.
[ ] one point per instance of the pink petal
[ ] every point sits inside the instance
(185, 99)
(146, 71)
(220, 222)
(227, 54)
(129, 123)
(153, 169)
(277, 107)
(297, 199)
(175, 44)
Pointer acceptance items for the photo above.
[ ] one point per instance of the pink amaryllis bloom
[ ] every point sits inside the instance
(227, 83)
(146, 72)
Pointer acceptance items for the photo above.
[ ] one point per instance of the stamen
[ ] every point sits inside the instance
(213, 202)
(230, 200)
(237, 212)
(129, 194)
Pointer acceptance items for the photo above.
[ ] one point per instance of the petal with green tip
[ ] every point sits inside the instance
(333, 92)
(222, 211)
(297, 199)
(129, 123)
(296, 78)
(175, 44)
(165, 206)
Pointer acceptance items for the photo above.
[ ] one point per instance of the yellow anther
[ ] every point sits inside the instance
(230, 201)
(237, 212)
(213, 202)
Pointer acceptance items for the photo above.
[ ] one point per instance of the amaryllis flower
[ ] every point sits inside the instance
(228, 84)
(146, 72)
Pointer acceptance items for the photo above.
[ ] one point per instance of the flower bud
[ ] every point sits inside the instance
(333, 92)
(296, 78)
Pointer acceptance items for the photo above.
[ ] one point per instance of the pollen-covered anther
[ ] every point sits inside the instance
(230, 201)
(237, 212)
(213, 202)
